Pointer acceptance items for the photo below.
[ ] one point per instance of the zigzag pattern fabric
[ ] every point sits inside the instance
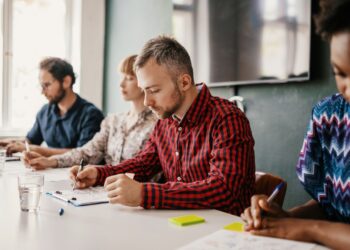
(324, 161)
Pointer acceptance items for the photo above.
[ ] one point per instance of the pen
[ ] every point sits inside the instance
(61, 211)
(275, 192)
(27, 146)
(81, 168)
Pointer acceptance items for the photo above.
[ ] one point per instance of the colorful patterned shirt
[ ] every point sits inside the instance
(114, 143)
(207, 159)
(324, 161)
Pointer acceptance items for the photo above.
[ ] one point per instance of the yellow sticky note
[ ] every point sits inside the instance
(235, 226)
(186, 220)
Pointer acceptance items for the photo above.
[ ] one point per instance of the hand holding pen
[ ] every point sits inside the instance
(83, 177)
(27, 146)
(261, 205)
(81, 168)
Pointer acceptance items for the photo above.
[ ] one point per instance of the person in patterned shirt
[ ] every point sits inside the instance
(121, 136)
(323, 167)
(203, 144)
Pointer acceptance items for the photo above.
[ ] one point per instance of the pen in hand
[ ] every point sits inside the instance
(275, 192)
(27, 146)
(81, 168)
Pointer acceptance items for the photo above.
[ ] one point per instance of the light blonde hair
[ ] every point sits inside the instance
(127, 65)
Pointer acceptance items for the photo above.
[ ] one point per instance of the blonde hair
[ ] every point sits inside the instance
(127, 65)
(169, 52)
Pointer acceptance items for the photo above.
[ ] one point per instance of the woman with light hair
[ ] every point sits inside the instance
(121, 136)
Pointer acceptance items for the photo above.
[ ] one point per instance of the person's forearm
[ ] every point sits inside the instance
(331, 234)
(8, 140)
(210, 193)
(309, 210)
(48, 151)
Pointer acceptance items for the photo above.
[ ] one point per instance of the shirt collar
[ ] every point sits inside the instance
(75, 106)
(198, 106)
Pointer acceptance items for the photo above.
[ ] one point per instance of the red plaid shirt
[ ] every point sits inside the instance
(207, 159)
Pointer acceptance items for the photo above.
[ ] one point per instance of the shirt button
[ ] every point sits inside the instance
(177, 153)
(179, 129)
(179, 178)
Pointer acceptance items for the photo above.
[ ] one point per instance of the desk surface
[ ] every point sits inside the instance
(102, 226)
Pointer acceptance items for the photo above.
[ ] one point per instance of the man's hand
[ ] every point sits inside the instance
(38, 162)
(252, 215)
(85, 178)
(123, 190)
(14, 147)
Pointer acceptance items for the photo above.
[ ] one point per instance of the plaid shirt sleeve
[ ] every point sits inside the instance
(230, 180)
(145, 165)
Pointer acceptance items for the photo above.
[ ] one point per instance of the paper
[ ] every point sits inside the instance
(81, 197)
(227, 240)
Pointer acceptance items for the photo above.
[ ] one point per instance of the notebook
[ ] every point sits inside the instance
(81, 197)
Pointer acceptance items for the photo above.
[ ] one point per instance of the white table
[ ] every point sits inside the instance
(94, 227)
(101, 226)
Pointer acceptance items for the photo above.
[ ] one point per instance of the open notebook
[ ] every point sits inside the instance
(81, 197)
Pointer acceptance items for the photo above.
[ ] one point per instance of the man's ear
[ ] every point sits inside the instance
(67, 82)
(185, 82)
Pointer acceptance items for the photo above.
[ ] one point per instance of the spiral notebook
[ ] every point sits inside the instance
(81, 197)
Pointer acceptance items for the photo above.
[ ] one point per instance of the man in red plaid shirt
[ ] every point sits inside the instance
(203, 144)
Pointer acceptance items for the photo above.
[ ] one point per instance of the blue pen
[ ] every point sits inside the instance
(275, 192)
(61, 211)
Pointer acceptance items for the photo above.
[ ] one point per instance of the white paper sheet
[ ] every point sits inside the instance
(227, 240)
(83, 197)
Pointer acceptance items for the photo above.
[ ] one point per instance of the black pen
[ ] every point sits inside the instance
(81, 168)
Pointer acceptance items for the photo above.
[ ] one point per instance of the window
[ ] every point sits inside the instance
(33, 29)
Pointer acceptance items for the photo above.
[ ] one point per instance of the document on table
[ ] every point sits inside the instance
(81, 197)
(227, 240)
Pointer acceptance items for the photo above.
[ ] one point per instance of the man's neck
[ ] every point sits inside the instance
(189, 98)
(67, 102)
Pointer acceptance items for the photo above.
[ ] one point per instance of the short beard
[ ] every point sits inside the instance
(177, 95)
(58, 98)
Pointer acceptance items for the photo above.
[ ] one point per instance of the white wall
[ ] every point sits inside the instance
(129, 24)
(92, 50)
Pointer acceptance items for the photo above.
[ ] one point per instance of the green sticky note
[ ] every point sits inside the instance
(186, 220)
(235, 226)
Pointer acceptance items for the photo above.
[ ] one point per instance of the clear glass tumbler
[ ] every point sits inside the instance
(30, 188)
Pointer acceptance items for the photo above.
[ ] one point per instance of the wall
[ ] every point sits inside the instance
(279, 116)
(129, 24)
(278, 113)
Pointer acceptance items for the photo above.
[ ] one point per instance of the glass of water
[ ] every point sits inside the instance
(30, 188)
(2, 160)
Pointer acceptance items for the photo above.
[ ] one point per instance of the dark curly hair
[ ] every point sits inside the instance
(58, 67)
(334, 17)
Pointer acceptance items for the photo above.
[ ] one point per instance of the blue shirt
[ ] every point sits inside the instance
(71, 130)
(324, 161)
